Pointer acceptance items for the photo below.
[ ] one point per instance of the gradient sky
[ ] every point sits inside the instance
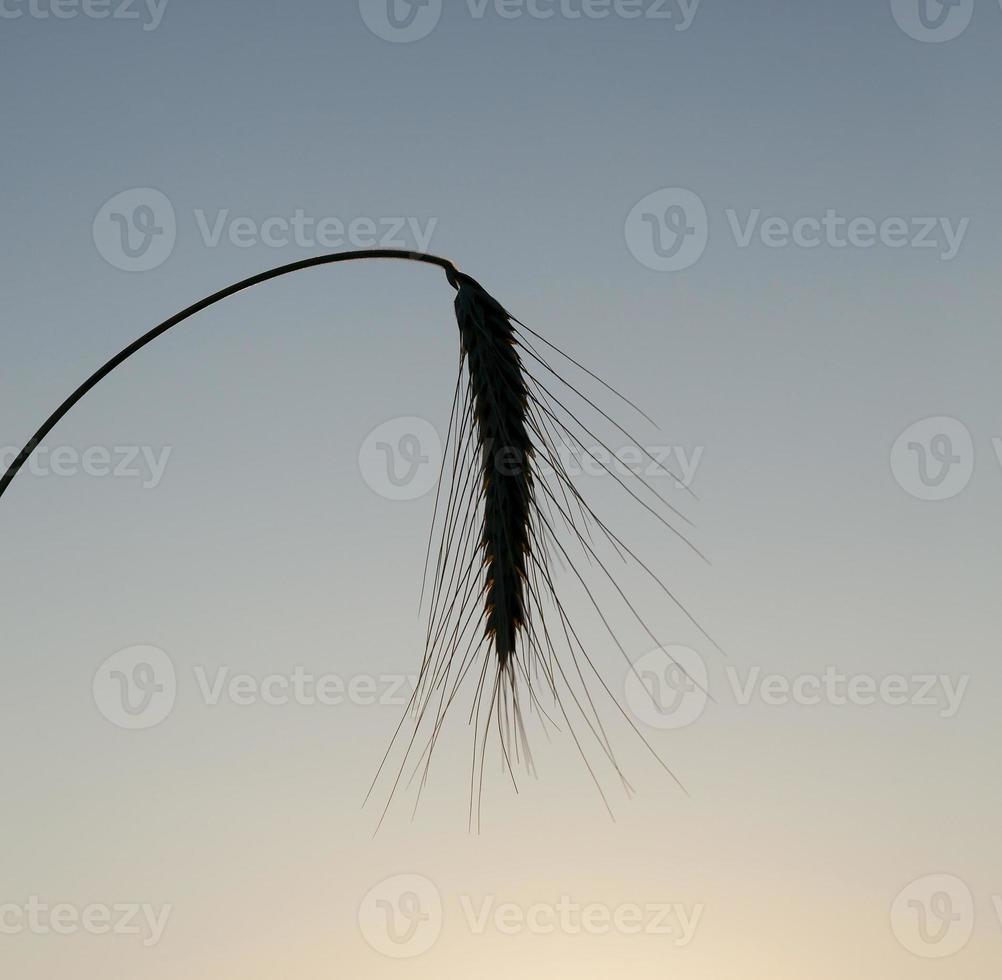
(523, 145)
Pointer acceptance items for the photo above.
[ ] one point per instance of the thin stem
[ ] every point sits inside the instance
(147, 338)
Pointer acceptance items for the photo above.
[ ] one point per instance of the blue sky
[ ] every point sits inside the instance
(835, 398)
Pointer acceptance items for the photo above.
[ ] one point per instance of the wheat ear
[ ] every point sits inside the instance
(495, 612)
(500, 411)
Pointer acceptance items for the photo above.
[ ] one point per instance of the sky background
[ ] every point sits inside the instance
(826, 393)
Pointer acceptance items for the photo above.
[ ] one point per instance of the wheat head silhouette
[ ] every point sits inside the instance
(494, 611)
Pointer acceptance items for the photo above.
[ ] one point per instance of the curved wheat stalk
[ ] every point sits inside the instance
(494, 610)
